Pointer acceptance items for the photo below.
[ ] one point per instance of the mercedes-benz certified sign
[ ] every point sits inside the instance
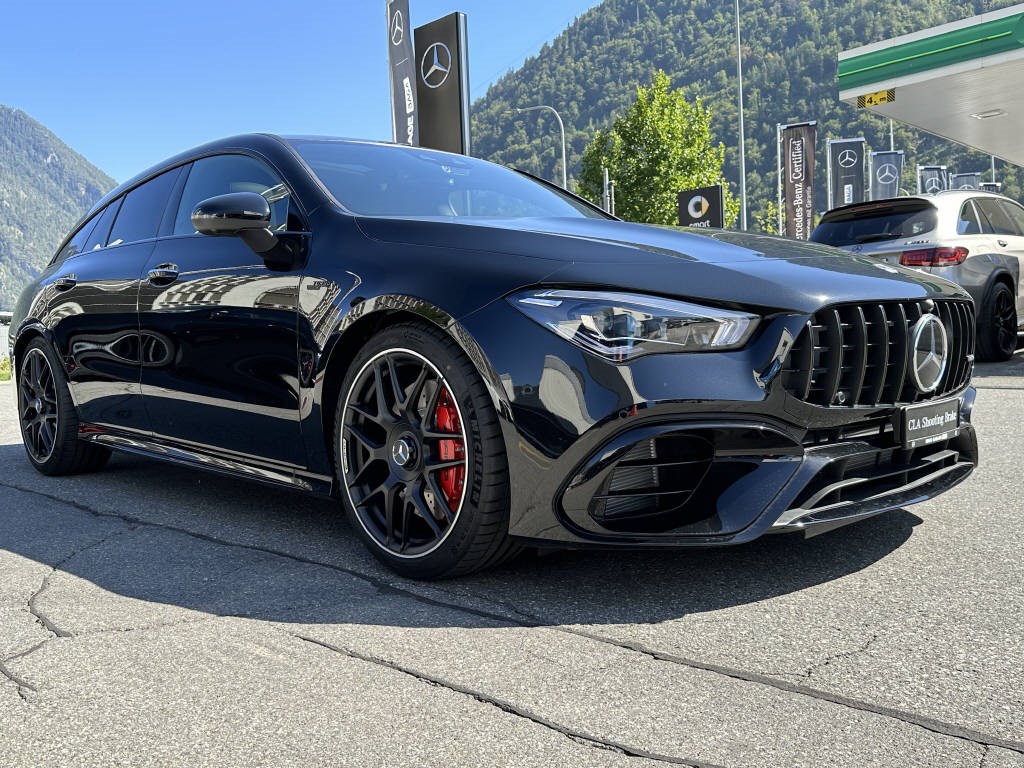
(929, 349)
(847, 158)
(436, 65)
(397, 28)
(886, 174)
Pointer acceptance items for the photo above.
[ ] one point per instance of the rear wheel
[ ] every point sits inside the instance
(997, 325)
(47, 416)
(420, 457)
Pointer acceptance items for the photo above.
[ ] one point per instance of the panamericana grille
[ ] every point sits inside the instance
(858, 354)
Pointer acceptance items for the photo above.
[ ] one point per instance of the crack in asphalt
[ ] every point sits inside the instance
(932, 725)
(34, 609)
(22, 684)
(984, 755)
(579, 737)
(809, 672)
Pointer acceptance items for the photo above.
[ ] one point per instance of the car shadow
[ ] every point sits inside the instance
(175, 538)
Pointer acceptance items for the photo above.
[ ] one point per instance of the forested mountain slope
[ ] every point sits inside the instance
(45, 187)
(790, 48)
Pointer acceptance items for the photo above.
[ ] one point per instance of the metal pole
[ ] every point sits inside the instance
(892, 140)
(561, 128)
(743, 154)
(993, 169)
(606, 197)
(778, 171)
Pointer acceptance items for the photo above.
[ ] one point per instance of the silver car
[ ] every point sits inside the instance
(975, 239)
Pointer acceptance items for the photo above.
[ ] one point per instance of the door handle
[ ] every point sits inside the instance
(65, 283)
(163, 274)
(1002, 243)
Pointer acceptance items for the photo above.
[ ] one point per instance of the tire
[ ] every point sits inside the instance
(997, 325)
(47, 416)
(433, 455)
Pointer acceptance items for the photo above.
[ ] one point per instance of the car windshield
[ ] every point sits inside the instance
(876, 223)
(392, 180)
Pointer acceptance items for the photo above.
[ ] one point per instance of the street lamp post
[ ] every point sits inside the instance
(561, 127)
(743, 153)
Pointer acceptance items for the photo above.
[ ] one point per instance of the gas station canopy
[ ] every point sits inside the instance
(962, 81)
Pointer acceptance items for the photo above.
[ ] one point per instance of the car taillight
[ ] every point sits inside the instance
(934, 257)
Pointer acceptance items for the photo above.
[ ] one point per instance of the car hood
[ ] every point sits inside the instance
(722, 266)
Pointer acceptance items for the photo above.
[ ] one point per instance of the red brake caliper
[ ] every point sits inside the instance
(451, 479)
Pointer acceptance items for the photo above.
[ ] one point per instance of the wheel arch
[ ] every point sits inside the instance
(26, 333)
(371, 316)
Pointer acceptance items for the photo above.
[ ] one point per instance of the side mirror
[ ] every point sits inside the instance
(245, 215)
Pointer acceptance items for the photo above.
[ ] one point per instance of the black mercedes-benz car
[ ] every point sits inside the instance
(472, 360)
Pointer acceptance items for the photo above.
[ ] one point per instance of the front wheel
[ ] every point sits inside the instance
(420, 457)
(47, 416)
(997, 325)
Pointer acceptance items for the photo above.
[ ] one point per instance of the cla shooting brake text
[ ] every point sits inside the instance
(473, 361)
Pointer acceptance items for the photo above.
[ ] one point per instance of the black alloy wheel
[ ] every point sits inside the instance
(37, 406)
(421, 460)
(47, 416)
(997, 328)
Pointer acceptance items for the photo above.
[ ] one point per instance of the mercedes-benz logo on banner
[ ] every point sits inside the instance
(397, 28)
(928, 353)
(436, 65)
(886, 174)
(933, 185)
(847, 158)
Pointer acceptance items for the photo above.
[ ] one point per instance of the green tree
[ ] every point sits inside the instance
(660, 147)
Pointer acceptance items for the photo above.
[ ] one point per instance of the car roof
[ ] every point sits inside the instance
(942, 201)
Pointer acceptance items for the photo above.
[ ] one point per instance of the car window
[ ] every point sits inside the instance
(77, 243)
(142, 210)
(98, 236)
(1015, 213)
(223, 174)
(968, 222)
(389, 180)
(997, 219)
(876, 222)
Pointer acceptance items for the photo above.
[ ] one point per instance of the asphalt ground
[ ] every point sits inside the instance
(151, 615)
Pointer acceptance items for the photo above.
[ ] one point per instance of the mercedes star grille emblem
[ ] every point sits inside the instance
(436, 65)
(886, 174)
(929, 348)
(397, 28)
(847, 158)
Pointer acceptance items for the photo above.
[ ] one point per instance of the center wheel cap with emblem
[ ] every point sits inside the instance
(929, 353)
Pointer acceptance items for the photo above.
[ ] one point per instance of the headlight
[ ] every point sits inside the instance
(622, 326)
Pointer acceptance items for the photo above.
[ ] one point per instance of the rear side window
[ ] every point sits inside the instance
(77, 243)
(142, 210)
(98, 236)
(997, 218)
(876, 223)
(223, 174)
(968, 222)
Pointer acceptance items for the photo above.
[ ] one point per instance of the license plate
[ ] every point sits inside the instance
(929, 422)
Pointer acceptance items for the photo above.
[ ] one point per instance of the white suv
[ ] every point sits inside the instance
(975, 239)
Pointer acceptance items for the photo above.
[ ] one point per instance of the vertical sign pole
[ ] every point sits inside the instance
(778, 169)
(828, 171)
(743, 153)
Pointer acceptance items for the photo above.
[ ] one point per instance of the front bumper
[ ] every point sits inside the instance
(707, 450)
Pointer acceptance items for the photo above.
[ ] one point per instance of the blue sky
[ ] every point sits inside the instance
(129, 82)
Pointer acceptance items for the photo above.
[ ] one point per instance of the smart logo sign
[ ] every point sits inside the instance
(702, 207)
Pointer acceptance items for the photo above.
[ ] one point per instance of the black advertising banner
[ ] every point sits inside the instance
(442, 84)
(886, 171)
(931, 178)
(702, 207)
(965, 181)
(402, 59)
(845, 172)
(798, 142)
